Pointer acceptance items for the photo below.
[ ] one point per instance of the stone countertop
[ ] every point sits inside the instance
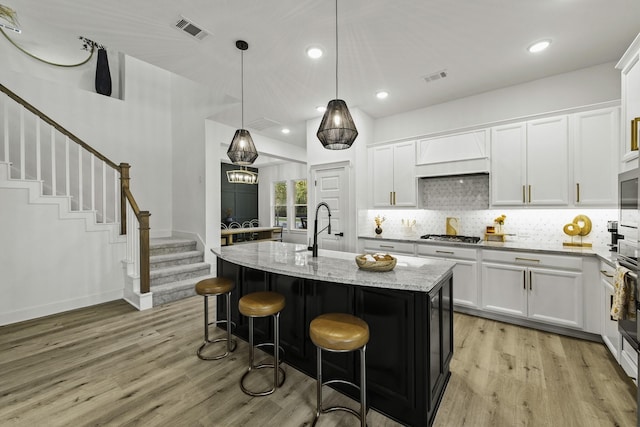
(409, 274)
(550, 248)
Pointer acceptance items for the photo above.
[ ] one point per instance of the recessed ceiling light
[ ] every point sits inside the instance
(539, 46)
(382, 94)
(285, 130)
(314, 52)
(320, 109)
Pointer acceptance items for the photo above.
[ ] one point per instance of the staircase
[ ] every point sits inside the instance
(176, 267)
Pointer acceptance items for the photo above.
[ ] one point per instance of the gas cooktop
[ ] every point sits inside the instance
(448, 238)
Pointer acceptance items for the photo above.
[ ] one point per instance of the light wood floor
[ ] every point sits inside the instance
(112, 365)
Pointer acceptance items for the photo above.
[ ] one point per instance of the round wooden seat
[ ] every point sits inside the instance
(214, 286)
(261, 304)
(339, 332)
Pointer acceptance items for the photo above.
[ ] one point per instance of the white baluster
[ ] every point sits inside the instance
(38, 154)
(54, 180)
(93, 183)
(104, 192)
(66, 167)
(22, 145)
(80, 179)
(6, 128)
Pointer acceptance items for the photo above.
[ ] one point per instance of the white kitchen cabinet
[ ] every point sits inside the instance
(533, 286)
(610, 334)
(393, 178)
(595, 136)
(629, 65)
(386, 246)
(465, 272)
(529, 163)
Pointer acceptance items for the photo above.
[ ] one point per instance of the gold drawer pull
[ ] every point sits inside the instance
(527, 259)
(445, 252)
(606, 273)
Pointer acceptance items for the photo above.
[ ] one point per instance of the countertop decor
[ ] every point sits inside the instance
(376, 262)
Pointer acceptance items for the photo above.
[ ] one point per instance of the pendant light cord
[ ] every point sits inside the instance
(336, 49)
(242, 88)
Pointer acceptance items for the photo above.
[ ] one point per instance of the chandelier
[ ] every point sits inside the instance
(242, 176)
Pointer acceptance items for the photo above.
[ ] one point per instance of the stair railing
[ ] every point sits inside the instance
(95, 196)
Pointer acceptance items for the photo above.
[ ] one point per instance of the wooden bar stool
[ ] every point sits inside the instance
(263, 304)
(338, 333)
(213, 287)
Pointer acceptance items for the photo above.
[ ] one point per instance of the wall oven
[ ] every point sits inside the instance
(629, 194)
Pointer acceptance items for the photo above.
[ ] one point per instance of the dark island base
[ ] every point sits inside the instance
(410, 346)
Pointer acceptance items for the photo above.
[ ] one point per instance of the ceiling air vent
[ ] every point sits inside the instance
(189, 27)
(435, 76)
(262, 124)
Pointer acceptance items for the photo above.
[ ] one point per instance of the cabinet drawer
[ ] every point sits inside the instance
(529, 259)
(453, 252)
(607, 273)
(388, 246)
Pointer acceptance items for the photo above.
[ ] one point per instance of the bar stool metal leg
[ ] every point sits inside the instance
(277, 382)
(231, 343)
(362, 415)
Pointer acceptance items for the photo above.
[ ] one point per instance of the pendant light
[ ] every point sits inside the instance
(337, 130)
(242, 176)
(242, 151)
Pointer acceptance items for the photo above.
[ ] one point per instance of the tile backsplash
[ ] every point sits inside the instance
(527, 225)
(463, 192)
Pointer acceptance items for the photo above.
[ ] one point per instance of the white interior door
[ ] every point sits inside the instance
(331, 186)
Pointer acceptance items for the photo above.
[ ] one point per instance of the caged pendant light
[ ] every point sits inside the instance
(242, 151)
(337, 130)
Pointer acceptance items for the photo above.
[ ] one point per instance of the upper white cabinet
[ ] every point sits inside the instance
(630, 95)
(529, 163)
(393, 179)
(455, 154)
(595, 157)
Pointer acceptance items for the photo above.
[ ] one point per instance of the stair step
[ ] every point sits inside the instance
(171, 259)
(163, 246)
(174, 291)
(179, 272)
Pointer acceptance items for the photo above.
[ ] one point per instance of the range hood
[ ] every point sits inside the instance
(458, 154)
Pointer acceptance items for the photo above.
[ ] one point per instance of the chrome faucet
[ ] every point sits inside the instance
(314, 248)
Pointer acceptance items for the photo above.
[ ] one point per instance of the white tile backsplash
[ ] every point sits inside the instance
(464, 192)
(527, 225)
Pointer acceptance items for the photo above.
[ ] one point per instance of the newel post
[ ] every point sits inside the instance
(145, 252)
(124, 184)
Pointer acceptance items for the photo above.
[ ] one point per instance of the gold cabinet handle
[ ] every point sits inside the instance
(577, 192)
(526, 259)
(524, 199)
(530, 280)
(606, 273)
(524, 280)
(445, 252)
(391, 198)
(387, 246)
(529, 194)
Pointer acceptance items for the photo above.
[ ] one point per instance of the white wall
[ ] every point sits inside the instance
(49, 265)
(587, 86)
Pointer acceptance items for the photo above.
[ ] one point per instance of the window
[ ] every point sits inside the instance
(300, 203)
(290, 204)
(280, 203)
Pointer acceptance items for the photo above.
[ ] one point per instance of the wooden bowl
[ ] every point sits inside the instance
(383, 262)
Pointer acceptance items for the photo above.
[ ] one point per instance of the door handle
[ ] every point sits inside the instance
(339, 234)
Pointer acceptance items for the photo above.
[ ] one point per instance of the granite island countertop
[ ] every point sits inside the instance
(410, 274)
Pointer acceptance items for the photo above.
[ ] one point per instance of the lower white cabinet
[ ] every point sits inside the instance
(387, 246)
(541, 293)
(465, 272)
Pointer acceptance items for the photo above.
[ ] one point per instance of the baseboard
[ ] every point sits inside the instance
(59, 307)
(138, 300)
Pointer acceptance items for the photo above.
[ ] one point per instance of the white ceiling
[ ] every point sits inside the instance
(388, 45)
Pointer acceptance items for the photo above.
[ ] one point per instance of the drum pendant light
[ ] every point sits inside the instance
(337, 130)
(242, 151)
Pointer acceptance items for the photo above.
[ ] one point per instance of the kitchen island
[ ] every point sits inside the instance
(409, 311)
